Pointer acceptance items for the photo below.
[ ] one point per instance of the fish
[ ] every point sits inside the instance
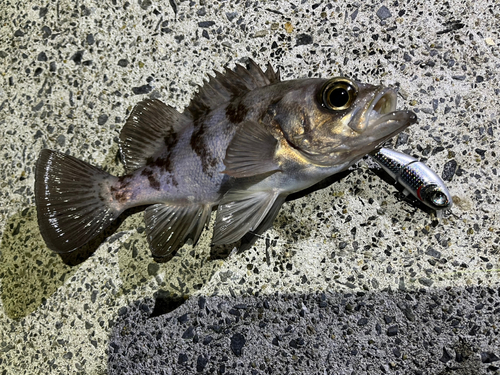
(245, 142)
(416, 177)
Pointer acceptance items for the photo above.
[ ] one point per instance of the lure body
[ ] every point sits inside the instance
(416, 177)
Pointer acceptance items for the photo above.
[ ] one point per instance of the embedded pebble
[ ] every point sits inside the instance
(102, 119)
(237, 343)
(449, 170)
(304, 39)
(383, 13)
(142, 89)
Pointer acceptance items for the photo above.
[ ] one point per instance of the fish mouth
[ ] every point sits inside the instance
(383, 116)
(380, 121)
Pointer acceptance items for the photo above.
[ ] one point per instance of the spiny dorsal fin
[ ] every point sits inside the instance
(272, 76)
(151, 126)
(225, 86)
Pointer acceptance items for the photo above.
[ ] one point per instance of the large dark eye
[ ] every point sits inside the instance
(338, 93)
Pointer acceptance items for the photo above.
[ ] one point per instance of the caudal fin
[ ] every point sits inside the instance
(73, 204)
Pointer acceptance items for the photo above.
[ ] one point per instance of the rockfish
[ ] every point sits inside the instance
(245, 142)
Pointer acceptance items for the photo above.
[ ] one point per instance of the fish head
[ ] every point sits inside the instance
(331, 122)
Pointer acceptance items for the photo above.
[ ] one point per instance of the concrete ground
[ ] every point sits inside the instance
(352, 279)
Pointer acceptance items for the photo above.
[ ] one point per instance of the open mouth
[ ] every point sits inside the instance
(383, 119)
(383, 103)
(375, 124)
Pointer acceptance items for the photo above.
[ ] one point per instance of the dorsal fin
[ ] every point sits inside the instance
(151, 126)
(271, 74)
(223, 87)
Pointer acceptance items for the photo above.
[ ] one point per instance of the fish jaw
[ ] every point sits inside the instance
(379, 128)
(379, 102)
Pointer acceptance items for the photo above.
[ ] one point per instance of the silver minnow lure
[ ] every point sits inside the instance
(416, 177)
(244, 143)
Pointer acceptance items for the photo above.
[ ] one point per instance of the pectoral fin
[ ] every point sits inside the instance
(249, 239)
(169, 226)
(251, 151)
(239, 212)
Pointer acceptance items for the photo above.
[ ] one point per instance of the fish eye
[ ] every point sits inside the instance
(338, 93)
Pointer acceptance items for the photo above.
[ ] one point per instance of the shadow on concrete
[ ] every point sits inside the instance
(412, 332)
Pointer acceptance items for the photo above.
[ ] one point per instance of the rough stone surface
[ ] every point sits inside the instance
(309, 333)
(352, 278)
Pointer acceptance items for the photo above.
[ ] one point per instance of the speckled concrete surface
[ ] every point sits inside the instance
(351, 279)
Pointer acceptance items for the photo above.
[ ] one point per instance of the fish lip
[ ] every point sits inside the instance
(381, 108)
(384, 102)
(379, 122)
(399, 120)
(383, 121)
(387, 126)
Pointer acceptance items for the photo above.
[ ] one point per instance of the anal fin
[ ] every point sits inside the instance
(169, 226)
(249, 239)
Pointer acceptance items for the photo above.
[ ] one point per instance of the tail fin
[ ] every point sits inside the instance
(71, 201)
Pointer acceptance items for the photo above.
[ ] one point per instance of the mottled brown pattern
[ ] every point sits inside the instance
(163, 165)
(236, 112)
(120, 192)
(198, 144)
(153, 181)
(121, 197)
(170, 140)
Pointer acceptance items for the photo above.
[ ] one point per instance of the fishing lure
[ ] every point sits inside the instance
(416, 177)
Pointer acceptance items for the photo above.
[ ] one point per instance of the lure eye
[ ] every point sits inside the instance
(436, 197)
(439, 199)
(339, 93)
